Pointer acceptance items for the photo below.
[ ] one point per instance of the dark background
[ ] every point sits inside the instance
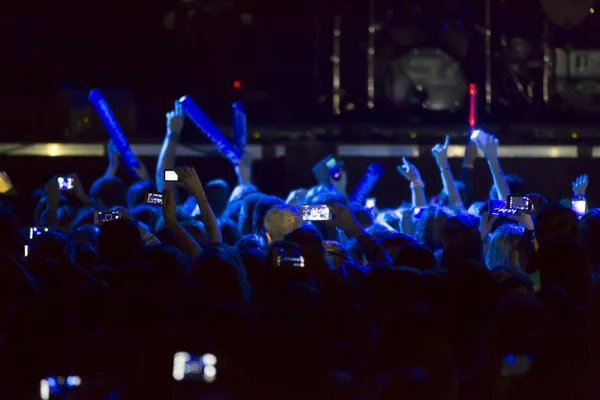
(54, 52)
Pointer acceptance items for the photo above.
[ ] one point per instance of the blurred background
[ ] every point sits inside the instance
(320, 66)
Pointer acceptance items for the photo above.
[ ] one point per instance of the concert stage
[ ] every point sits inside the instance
(547, 169)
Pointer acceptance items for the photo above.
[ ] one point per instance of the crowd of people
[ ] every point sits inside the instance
(437, 299)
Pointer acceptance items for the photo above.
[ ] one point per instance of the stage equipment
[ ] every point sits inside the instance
(427, 77)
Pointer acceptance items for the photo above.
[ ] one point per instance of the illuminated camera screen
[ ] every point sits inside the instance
(155, 199)
(187, 366)
(35, 231)
(65, 183)
(315, 213)
(171, 176)
(108, 216)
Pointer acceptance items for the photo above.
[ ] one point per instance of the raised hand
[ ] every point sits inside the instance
(175, 119)
(409, 171)
(470, 154)
(343, 217)
(6, 184)
(580, 185)
(169, 207)
(488, 145)
(188, 178)
(78, 189)
(440, 153)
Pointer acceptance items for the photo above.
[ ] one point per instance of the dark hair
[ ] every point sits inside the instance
(10, 226)
(429, 229)
(516, 187)
(119, 241)
(85, 216)
(229, 232)
(462, 240)
(395, 242)
(86, 256)
(217, 193)
(251, 241)
(280, 220)
(197, 230)
(556, 222)
(219, 273)
(109, 190)
(311, 246)
(54, 245)
(416, 255)
(87, 234)
(245, 220)
(326, 197)
(136, 193)
(563, 262)
(169, 262)
(147, 214)
(260, 212)
(590, 235)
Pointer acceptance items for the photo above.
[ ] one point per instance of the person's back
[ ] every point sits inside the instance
(119, 240)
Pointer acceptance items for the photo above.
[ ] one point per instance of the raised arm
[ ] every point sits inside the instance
(189, 179)
(417, 186)
(168, 152)
(113, 159)
(49, 217)
(489, 146)
(190, 247)
(466, 172)
(440, 153)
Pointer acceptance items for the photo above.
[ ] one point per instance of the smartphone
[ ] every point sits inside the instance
(186, 366)
(35, 231)
(65, 183)
(419, 212)
(317, 212)
(519, 203)
(287, 258)
(333, 168)
(26, 251)
(58, 386)
(103, 216)
(371, 203)
(326, 170)
(516, 365)
(579, 206)
(499, 207)
(154, 199)
(171, 175)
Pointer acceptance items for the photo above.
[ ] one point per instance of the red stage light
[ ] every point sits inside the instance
(237, 84)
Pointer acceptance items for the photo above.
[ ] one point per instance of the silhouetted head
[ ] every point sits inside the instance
(109, 191)
(217, 193)
(136, 193)
(119, 241)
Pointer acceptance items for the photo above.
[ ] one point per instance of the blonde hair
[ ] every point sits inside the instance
(503, 241)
